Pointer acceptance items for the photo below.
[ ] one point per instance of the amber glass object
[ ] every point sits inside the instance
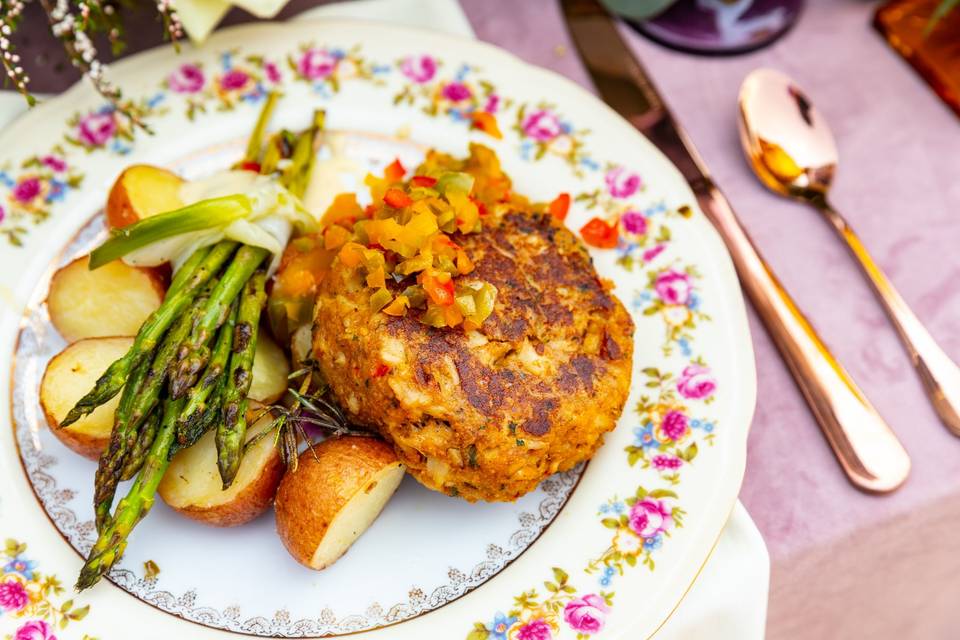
(933, 52)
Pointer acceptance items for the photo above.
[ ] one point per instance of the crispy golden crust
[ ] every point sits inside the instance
(488, 414)
(326, 478)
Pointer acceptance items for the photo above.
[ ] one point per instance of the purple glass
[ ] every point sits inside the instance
(721, 26)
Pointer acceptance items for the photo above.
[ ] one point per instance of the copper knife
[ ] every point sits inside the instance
(867, 449)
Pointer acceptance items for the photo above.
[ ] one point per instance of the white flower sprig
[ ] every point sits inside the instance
(73, 26)
(10, 12)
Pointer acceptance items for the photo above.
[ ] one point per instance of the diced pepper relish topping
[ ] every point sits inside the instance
(407, 236)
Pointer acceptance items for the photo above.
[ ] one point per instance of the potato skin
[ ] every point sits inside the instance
(247, 505)
(88, 446)
(310, 497)
(237, 506)
(125, 206)
(77, 436)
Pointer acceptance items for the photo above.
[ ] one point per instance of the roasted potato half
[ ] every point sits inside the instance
(142, 191)
(192, 484)
(113, 300)
(335, 494)
(270, 370)
(69, 376)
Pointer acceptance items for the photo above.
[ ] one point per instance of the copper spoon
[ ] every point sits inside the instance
(792, 151)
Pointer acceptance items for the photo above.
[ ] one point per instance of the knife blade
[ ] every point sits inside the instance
(867, 449)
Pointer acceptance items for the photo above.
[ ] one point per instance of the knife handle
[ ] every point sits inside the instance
(866, 447)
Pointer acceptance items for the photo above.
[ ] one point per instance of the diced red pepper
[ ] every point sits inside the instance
(381, 370)
(397, 198)
(441, 293)
(423, 181)
(599, 233)
(394, 171)
(249, 165)
(481, 208)
(560, 206)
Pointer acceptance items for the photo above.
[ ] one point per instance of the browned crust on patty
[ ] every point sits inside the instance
(488, 414)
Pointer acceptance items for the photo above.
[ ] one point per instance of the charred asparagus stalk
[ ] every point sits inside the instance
(152, 331)
(199, 396)
(232, 429)
(135, 505)
(194, 353)
(115, 463)
(134, 461)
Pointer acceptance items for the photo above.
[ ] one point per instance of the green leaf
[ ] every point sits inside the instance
(560, 575)
(610, 523)
(631, 560)
(79, 613)
(653, 372)
(479, 633)
(662, 493)
(690, 452)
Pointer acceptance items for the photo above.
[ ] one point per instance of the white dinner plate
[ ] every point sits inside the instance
(606, 550)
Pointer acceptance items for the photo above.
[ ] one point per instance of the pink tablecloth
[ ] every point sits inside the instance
(844, 565)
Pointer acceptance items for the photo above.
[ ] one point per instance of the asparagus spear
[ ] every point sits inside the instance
(197, 397)
(152, 330)
(195, 352)
(297, 176)
(135, 505)
(255, 143)
(118, 462)
(233, 428)
(182, 275)
(138, 453)
(122, 438)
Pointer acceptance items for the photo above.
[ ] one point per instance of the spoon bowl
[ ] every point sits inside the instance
(789, 144)
(791, 149)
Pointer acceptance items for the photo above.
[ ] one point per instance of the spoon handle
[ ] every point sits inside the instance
(939, 374)
(867, 449)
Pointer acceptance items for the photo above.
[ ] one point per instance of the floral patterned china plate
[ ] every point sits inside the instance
(607, 549)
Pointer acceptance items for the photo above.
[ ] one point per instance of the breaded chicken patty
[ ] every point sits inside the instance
(487, 414)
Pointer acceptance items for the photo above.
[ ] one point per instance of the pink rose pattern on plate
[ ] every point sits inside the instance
(30, 601)
(669, 433)
(33, 190)
(460, 95)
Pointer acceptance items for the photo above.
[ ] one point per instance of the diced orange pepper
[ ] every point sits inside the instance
(398, 307)
(560, 206)
(487, 123)
(423, 181)
(464, 263)
(351, 254)
(343, 208)
(397, 198)
(438, 286)
(599, 233)
(335, 237)
(377, 278)
(394, 172)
